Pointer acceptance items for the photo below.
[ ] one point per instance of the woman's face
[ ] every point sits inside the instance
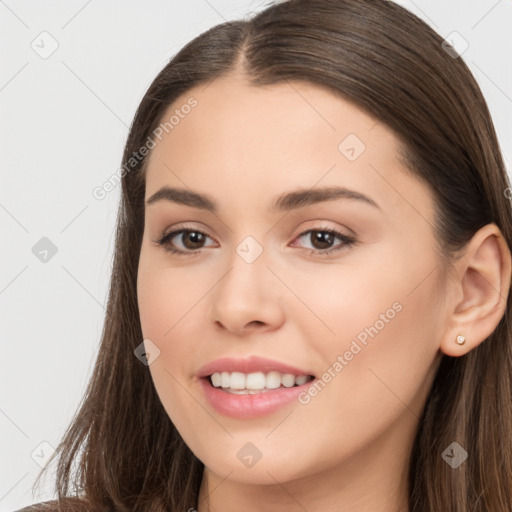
(256, 280)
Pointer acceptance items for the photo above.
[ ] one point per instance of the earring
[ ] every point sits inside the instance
(460, 340)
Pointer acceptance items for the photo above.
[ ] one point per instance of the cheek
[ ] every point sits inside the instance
(168, 298)
(381, 360)
(158, 304)
(376, 329)
(169, 303)
(341, 303)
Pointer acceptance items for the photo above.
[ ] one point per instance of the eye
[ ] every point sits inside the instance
(323, 238)
(191, 239)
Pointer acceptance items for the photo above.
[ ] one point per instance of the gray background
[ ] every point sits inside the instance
(64, 122)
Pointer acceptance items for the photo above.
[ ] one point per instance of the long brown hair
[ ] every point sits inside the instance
(121, 450)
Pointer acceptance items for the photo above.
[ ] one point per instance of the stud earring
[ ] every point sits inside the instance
(461, 340)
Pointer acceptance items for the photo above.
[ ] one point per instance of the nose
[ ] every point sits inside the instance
(249, 298)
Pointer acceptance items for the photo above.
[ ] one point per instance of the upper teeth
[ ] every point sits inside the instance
(257, 380)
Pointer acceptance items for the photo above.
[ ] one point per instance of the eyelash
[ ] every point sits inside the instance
(348, 241)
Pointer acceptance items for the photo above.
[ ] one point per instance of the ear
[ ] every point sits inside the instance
(480, 289)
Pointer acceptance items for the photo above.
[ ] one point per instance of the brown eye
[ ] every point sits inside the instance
(322, 240)
(191, 240)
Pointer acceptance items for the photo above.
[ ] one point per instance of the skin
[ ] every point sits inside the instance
(348, 448)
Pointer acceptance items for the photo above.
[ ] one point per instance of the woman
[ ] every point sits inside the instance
(309, 306)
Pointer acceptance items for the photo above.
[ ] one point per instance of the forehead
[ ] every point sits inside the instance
(246, 139)
(278, 116)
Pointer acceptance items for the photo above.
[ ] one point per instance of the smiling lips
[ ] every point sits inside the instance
(248, 365)
(248, 388)
(251, 383)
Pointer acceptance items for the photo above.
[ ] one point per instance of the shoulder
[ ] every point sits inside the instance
(65, 505)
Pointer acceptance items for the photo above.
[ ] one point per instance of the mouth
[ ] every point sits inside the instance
(255, 383)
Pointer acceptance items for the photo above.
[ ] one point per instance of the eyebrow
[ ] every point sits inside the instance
(285, 202)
